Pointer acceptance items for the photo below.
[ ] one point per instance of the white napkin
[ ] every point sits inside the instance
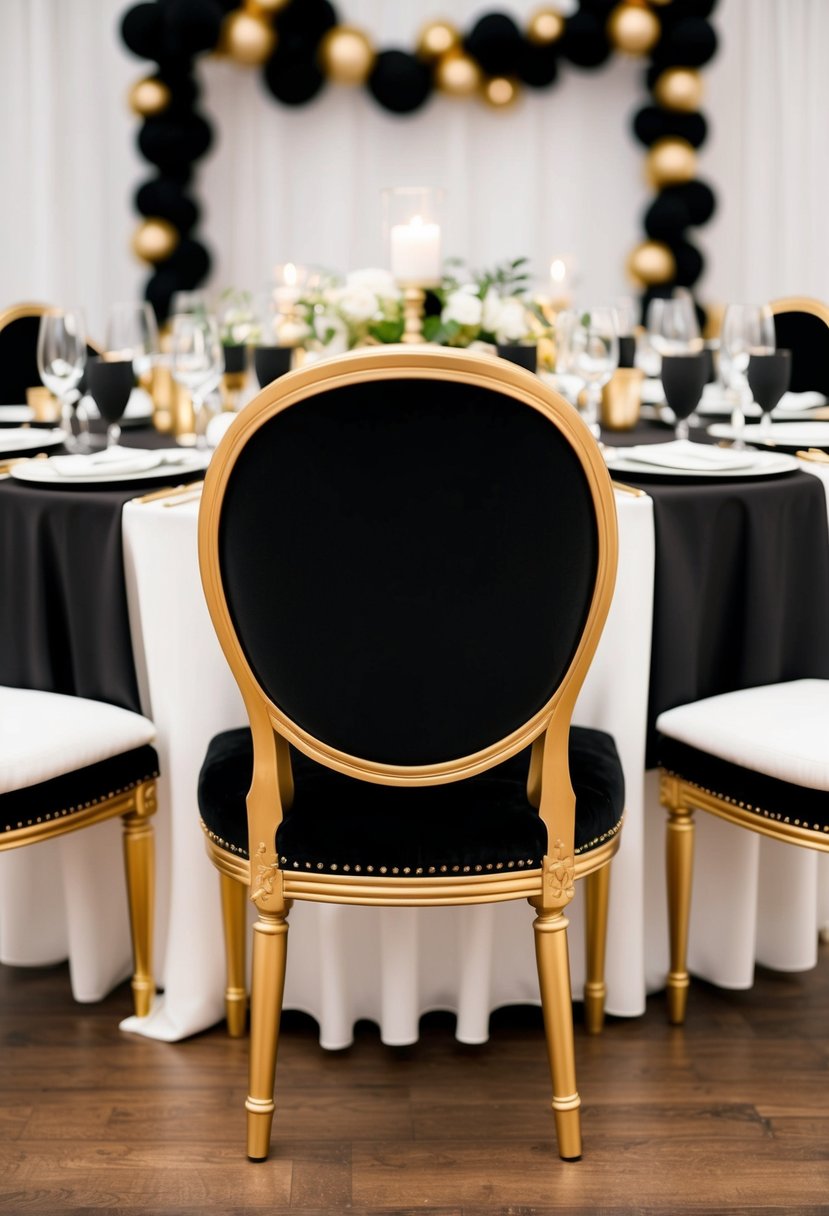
(797, 402)
(688, 457)
(116, 461)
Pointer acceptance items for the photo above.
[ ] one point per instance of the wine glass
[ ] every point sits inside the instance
(590, 350)
(769, 373)
(197, 362)
(673, 327)
(132, 333)
(110, 382)
(747, 329)
(61, 359)
(683, 379)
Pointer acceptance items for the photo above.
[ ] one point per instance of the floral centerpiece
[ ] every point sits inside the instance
(492, 307)
(363, 309)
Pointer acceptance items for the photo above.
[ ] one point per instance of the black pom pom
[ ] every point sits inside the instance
(142, 30)
(584, 41)
(163, 196)
(399, 82)
(160, 288)
(495, 42)
(293, 75)
(306, 21)
(191, 26)
(169, 140)
(537, 65)
(689, 262)
(697, 198)
(689, 43)
(667, 217)
(652, 123)
(190, 263)
(678, 9)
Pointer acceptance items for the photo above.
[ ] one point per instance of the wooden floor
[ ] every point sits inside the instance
(729, 1115)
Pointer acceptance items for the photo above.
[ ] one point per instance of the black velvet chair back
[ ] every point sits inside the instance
(19, 328)
(802, 326)
(408, 563)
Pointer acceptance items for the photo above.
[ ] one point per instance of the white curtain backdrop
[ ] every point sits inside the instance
(560, 173)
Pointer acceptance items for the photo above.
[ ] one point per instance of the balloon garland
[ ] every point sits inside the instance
(300, 46)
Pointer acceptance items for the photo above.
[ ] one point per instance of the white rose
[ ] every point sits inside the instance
(512, 322)
(372, 279)
(358, 304)
(491, 310)
(332, 331)
(463, 306)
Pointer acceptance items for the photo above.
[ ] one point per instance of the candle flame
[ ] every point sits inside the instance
(289, 274)
(558, 270)
(416, 220)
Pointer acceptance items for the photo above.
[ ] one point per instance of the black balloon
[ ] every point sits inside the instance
(166, 141)
(142, 30)
(293, 79)
(678, 9)
(600, 8)
(190, 262)
(584, 41)
(399, 82)
(689, 262)
(691, 42)
(652, 123)
(537, 65)
(163, 196)
(191, 26)
(697, 197)
(306, 21)
(495, 42)
(667, 217)
(160, 289)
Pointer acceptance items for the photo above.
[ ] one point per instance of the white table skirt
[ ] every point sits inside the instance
(389, 965)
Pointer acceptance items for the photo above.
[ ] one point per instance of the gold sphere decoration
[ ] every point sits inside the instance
(679, 89)
(545, 26)
(651, 263)
(346, 56)
(154, 239)
(246, 38)
(633, 29)
(148, 97)
(457, 75)
(436, 39)
(257, 7)
(500, 92)
(669, 161)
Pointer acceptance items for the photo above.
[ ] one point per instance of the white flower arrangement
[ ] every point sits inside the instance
(365, 308)
(490, 308)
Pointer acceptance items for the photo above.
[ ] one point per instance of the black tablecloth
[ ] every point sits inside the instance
(741, 591)
(64, 625)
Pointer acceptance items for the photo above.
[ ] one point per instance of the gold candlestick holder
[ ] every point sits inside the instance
(414, 299)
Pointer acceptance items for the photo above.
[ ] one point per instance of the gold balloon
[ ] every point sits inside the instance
(500, 92)
(679, 89)
(545, 26)
(651, 263)
(148, 97)
(264, 6)
(457, 75)
(436, 39)
(154, 240)
(246, 38)
(669, 161)
(632, 29)
(346, 56)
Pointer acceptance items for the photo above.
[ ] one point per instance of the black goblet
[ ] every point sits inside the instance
(109, 383)
(683, 379)
(270, 362)
(769, 374)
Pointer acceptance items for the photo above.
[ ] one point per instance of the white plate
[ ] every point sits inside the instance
(15, 415)
(782, 434)
(43, 472)
(19, 441)
(764, 464)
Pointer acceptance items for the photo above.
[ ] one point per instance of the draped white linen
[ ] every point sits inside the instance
(560, 173)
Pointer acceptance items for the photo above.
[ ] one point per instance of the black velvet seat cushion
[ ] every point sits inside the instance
(767, 797)
(807, 337)
(339, 824)
(64, 796)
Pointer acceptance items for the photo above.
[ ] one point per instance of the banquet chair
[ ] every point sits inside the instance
(67, 763)
(757, 758)
(408, 558)
(19, 327)
(801, 325)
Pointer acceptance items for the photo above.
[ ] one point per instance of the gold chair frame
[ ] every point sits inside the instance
(548, 889)
(136, 806)
(815, 308)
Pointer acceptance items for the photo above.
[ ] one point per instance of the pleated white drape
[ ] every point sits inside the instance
(560, 173)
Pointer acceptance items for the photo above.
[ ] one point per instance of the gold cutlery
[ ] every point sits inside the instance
(181, 499)
(6, 466)
(626, 489)
(189, 487)
(817, 455)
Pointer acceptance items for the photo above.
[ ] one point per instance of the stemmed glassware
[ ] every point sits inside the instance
(769, 373)
(197, 362)
(683, 379)
(61, 359)
(673, 327)
(747, 329)
(132, 334)
(110, 382)
(588, 348)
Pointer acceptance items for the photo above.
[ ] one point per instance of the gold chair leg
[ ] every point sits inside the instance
(270, 948)
(556, 1004)
(139, 863)
(679, 865)
(596, 892)
(234, 921)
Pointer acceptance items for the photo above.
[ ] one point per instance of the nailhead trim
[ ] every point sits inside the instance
(756, 810)
(82, 806)
(608, 835)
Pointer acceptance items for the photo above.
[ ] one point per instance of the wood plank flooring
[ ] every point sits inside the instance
(729, 1115)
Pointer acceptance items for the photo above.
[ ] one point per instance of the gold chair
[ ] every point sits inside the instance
(408, 557)
(756, 758)
(68, 762)
(18, 351)
(802, 326)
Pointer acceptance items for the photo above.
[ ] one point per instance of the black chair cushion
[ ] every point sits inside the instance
(62, 797)
(767, 797)
(338, 824)
(18, 359)
(807, 337)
